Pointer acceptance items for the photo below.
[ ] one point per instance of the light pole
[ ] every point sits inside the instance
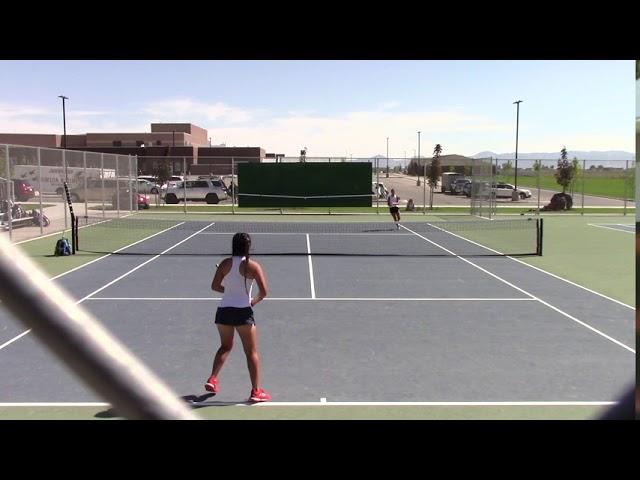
(64, 122)
(418, 182)
(387, 157)
(515, 195)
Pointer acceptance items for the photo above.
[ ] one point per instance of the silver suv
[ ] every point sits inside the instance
(209, 190)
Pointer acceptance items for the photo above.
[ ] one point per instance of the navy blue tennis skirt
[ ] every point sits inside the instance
(235, 316)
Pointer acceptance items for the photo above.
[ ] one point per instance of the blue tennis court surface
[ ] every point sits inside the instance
(347, 328)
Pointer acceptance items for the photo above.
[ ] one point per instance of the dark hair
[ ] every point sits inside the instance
(240, 246)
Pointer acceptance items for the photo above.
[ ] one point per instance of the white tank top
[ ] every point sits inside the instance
(235, 293)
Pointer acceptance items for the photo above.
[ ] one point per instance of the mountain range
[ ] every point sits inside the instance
(580, 155)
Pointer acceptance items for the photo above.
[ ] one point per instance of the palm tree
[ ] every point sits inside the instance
(434, 172)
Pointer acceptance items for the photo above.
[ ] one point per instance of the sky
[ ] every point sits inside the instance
(336, 108)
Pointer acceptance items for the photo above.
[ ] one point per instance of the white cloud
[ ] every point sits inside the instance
(188, 110)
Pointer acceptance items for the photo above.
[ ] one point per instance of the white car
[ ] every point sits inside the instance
(210, 191)
(506, 190)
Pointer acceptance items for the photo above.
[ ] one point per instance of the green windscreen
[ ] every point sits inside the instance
(304, 184)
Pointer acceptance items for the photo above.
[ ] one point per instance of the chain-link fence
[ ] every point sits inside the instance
(584, 184)
(32, 197)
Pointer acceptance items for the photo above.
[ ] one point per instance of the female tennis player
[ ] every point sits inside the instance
(235, 312)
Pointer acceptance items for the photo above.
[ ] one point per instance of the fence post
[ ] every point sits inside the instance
(624, 179)
(102, 183)
(84, 175)
(64, 166)
(377, 187)
(184, 182)
(233, 189)
(9, 191)
(40, 190)
(584, 172)
(117, 186)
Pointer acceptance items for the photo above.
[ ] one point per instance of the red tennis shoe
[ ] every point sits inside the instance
(211, 385)
(259, 395)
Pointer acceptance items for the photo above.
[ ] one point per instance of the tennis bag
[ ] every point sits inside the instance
(62, 247)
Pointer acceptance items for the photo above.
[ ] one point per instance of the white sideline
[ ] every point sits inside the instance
(617, 342)
(324, 403)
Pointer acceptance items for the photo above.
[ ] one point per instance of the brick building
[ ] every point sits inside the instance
(171, 143)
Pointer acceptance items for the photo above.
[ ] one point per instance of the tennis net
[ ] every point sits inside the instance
(137, 235)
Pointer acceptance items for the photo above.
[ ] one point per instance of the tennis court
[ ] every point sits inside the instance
(357, 314)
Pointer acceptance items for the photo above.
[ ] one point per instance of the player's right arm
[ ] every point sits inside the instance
(221, 271)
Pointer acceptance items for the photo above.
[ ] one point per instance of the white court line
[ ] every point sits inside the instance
(14, 339)
(616, 229)
(316, 299)
(313, 288)
(529, 294)
(544, 271)
(142, 265)
(327, 404)
(391, 232)
(116, 251)
(114, 281)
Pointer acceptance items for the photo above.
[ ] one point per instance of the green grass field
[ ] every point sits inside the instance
(609, 184)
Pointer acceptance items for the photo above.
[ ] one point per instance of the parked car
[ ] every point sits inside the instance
(379, 190)
(148, 184)
(458, 185)
(210, 191)
(24, 191)
(99, 189)
(141, 198)
(506, 190)
(171, 182)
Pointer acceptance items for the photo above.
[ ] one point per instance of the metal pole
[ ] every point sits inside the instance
(64, 165)
(184, 183)
(233, 189)
(515, 195)
(418, 157)
(538, 183)
(424, 187)
(102, 182)
(117, 187)
(64, 126)
(9, 192)
(84, 166)
(387, 157)
(40, 190)
(584, 171)
(131, 190)
(82, 343)
(377, 186)
(624, 179)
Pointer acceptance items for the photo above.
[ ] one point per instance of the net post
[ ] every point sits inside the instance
(40, 190)
(540, 232)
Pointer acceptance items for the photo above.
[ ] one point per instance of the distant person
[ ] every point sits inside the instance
(392, 201)
(235, 312)
(411, 207)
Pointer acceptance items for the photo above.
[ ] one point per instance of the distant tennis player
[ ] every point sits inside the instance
(235, 312)
(392, 201)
